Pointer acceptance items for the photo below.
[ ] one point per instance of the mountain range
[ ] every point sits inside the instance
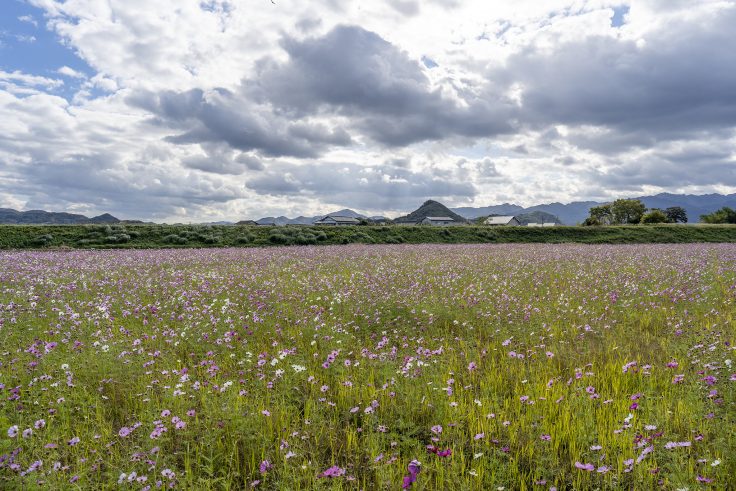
(576, 212)
(568, 214)
(10, 216)
(302, 220)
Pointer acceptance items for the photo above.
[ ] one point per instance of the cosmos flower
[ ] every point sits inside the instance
(414, 468)
(332, 472)
(585, 467)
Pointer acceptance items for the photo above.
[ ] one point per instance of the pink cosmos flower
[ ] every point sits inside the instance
(585, 467)
(414, 468)
(332, 472)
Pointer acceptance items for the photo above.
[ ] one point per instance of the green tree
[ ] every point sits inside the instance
(627, 211)
(654, 216)
(724, 215)
(600, 215)
(676, 214)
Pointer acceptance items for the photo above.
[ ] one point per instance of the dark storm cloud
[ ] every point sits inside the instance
(679, 81)
(364, 187)
(356, 73)
(223, 116)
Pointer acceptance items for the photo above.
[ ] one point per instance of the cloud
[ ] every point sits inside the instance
(222, 116)
(210, 109)
(386, 94)
(70, 72)
(678, 82)
(18, 78)
(366, 187)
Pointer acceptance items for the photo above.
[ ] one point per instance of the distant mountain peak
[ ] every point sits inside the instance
(430, 208)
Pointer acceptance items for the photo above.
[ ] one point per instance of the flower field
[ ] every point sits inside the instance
(369, 367)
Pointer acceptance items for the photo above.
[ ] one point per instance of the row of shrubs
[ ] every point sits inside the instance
(151, 236)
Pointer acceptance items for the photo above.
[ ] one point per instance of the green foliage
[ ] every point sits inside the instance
(43, 240)
(676, 214)
(175, 239)
(157, 236)
(620, 212)
(244, 239)
(601, 215)
(724, 215)
(654, 216)
(627, 211)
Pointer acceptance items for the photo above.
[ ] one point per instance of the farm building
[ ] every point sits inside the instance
(545, 224)
(505, 220)
(439, 221)
(336, 220)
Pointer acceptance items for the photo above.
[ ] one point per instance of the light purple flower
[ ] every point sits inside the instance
(333, 471)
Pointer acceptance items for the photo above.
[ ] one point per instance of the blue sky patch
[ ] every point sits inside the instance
(26, 45)
(619, 15)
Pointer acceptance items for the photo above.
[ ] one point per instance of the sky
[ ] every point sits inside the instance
(207, 110)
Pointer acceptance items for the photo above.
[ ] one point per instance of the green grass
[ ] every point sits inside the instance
(159, 236)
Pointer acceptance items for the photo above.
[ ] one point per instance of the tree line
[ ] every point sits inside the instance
(633, 211)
